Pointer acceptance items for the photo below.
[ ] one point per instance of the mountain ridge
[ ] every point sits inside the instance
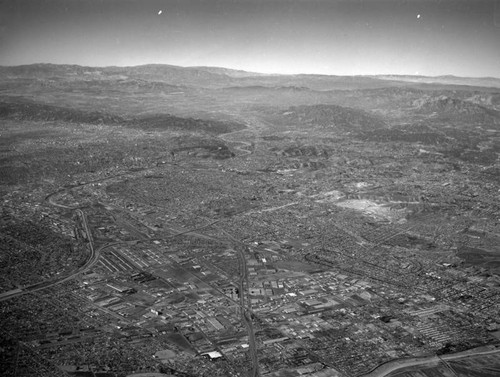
(220, 76)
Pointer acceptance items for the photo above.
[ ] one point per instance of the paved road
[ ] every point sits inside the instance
(393, 366)
(246, 310)
(245, 144)
(94, 253)
(93, 258)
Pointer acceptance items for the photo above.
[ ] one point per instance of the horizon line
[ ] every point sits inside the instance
(250, 72)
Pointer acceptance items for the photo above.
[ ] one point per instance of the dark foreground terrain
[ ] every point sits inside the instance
(209, 222)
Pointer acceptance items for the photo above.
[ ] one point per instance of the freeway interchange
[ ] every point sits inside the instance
(95, 252)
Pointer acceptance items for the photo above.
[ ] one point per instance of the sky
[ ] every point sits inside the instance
(335, 37)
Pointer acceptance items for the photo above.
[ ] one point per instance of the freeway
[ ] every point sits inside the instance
(50, 283)
(394, 366)
(93, 258)
(94, 253)
(243, 284)
(246, 312)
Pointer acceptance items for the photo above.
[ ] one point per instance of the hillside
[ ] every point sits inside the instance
(25, 111)
(452, 108)
(333, 116)
(207, 77)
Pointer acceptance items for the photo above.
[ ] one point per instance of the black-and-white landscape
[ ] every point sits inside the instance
(167, 220)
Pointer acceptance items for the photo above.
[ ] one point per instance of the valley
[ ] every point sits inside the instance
(209, 222)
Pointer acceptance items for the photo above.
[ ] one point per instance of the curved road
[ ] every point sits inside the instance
(93, 258)
(254, 125)
(47, 284)
(241, 149)
(394, 366)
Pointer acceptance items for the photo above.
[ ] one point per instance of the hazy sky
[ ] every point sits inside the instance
(336, 37)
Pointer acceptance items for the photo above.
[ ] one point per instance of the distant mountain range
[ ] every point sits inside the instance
(166, 97)
(492, 82)
(216, 77)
